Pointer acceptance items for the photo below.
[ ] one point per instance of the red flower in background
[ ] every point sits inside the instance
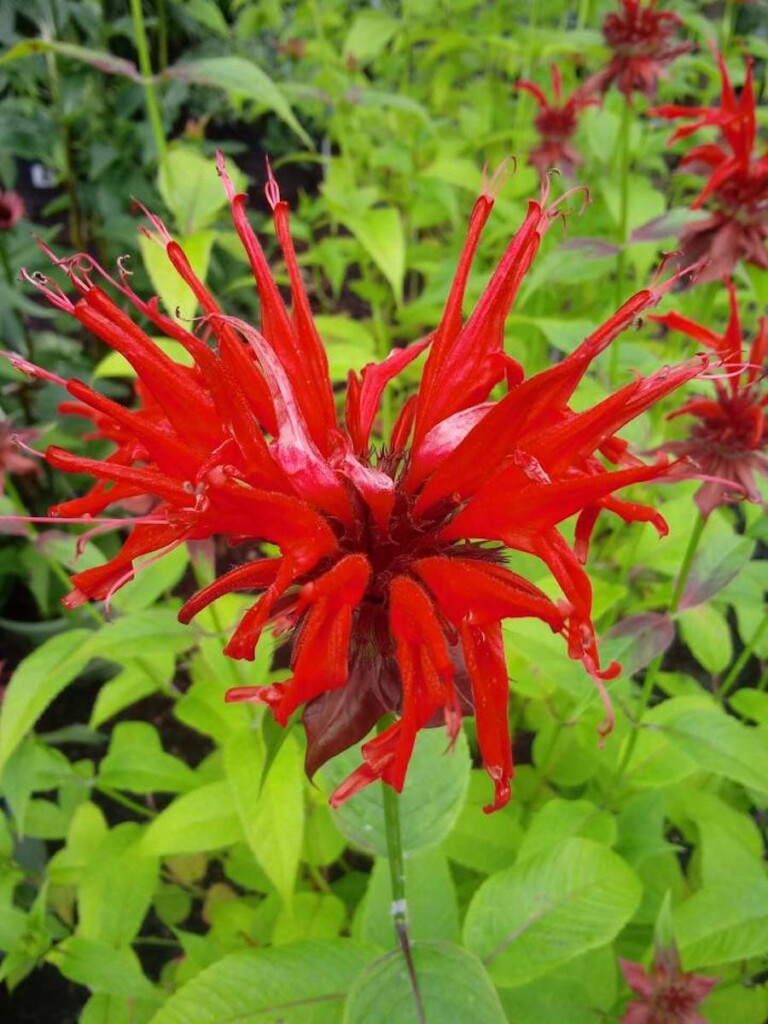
(666, 994)
(11, 458)
(556, 123)
(12, 209)
(728, 441)
(643, 40)
(736, 192)
(391, 583)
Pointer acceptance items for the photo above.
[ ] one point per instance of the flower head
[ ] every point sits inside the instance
(736, 190)
(666, 994)
(728, 441)
(391, 583)
(556, 122)
(12, 209)
(643, 41)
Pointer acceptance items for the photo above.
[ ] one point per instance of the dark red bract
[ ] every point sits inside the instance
(736, 192)
(391, 584)
(666, 994)
(12, 209)
(556, 122)
(643, 41)
(728, 443)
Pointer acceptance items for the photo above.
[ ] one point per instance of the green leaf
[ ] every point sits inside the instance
(154, 580)
(116, 891)
(272, 814)
(430, 803)
(174, 293)
(433, 911)
(191, 188)
(368, 35)
(715, 741)
(565, 819)
(205, 819)
(100, 59)
(707, 634)
(723, 922)
(240, 79)
(454, 989)
(101, 967)
(86, 831)
(138, 679)
(310, 915)
(137, 762)
(581, 992)
(301, 984)
(380, 232)
(148, 632)
(484, 842)
(36, 683)
(537, 915)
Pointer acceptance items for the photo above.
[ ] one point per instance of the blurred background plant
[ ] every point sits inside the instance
(162, 857)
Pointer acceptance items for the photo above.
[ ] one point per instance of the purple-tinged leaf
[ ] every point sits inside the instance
(713, 569)
(636, 641)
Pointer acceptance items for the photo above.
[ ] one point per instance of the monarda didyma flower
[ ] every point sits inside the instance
(643, 41)
(391, 583)
(728, 442)
(736, 192)
(666, 994)
(555, 123)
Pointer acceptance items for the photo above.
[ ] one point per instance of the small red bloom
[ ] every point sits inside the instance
(665, 995)
(12, 209)
(391, 583)
(555, 123)
(643, 42)
(736, 192)
(729, 439)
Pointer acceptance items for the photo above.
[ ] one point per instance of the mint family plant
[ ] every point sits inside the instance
(164, 851)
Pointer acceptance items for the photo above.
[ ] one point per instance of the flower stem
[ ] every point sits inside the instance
(397, 880)
(653, 669)
(733, 676)
(145, 64)
(623, 154)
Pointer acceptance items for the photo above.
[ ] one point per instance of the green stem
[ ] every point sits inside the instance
(653, 669)
(120, 798)
(585, 11)
(145, 64)
(397, 880)
(727, 25)
(623, 153)
(733, 676)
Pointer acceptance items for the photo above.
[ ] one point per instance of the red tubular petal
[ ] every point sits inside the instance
(467, 589)
(251, 576)
(487, 667)
(363, 398)
(460, 370)
(147, 480)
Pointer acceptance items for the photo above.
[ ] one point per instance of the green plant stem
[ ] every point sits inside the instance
(623, 162)
(733, 676)
(763, 684)
(145, 64)
(397, 879)
(653, 669)
(726, 25)
(69, 178)
(585, 11)
(126, 801)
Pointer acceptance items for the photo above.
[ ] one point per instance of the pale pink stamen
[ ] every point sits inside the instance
(50, 289)
(31, 369)
(271, 189)
(490, 187)
(17, 440)
(162, 236)
(221, 170)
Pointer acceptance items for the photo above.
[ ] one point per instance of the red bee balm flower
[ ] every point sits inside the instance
(729, 440)
(643, 42)
(666, 995)
(736, 193)
(555, 123)
(390, 582)
(12, 209)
